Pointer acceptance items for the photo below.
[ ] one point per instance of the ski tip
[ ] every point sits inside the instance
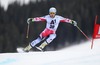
(20, 50)
(39, 49)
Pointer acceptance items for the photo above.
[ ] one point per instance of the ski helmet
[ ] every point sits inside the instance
(52, 9)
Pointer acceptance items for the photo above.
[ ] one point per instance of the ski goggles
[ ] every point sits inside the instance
(51, 13)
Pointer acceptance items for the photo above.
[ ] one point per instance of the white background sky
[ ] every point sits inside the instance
(5, 3)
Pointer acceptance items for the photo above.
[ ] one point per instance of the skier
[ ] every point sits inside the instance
(49, 33)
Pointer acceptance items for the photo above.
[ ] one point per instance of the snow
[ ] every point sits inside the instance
(75, 55)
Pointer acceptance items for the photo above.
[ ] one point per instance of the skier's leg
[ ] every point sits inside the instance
(38, 40)
(48, 40)
(51, 38)
(33, 43)
(42, 36)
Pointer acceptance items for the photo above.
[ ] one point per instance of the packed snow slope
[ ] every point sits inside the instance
(75, 55)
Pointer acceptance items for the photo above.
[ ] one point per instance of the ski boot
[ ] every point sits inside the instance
(41, 47)
(28, 48)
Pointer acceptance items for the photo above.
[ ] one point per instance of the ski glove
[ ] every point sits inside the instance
(74, 23)
(30, 20)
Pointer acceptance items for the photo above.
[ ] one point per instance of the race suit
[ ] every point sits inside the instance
(51, 26)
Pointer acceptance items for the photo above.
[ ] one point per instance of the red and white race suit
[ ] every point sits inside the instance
(51, 27)
(52, 23)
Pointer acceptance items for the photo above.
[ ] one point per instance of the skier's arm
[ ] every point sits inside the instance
(37, 19)
(69, 21)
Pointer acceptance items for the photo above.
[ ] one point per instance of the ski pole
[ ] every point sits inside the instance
(83, 33)
(27, 30)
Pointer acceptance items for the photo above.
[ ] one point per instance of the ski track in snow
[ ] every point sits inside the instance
(75, 55)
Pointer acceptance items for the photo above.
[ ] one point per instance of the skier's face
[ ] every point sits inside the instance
(52, 14)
